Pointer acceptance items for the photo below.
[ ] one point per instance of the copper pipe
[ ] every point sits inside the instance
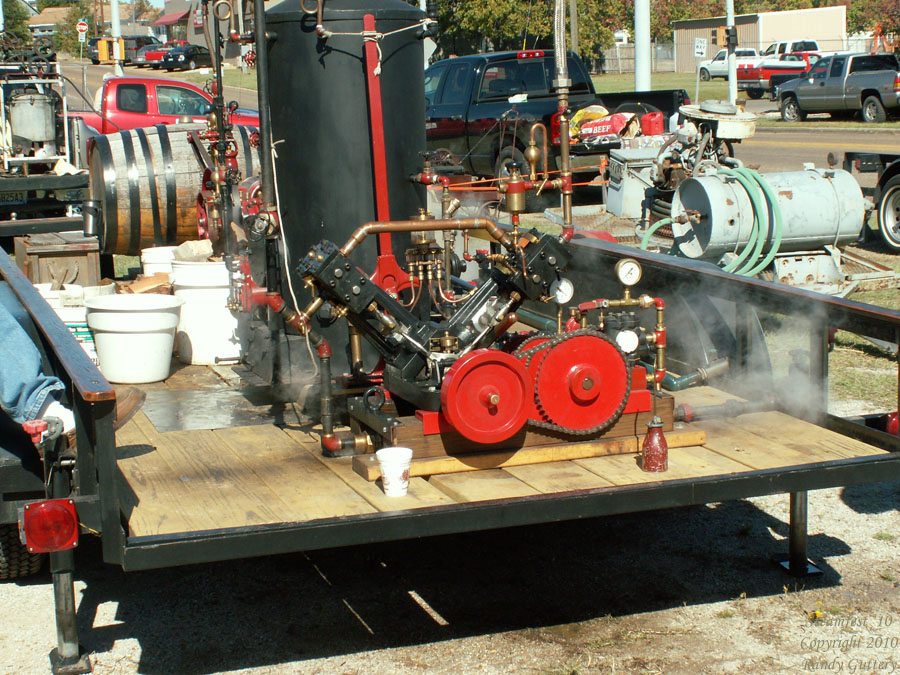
(543, 128)
(356, 350)
(375, 227)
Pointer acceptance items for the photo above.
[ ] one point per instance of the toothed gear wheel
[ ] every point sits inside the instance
(582, 384)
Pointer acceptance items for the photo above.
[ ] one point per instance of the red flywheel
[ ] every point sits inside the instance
(486, 395)
(582, 384)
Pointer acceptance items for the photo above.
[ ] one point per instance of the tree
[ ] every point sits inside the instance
(474, 25)
(15, 18)
(66, 38)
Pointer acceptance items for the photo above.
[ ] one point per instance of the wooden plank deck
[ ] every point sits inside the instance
(185, 481)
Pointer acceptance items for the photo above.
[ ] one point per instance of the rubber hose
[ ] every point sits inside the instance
(765, 224)
(650, 230)
(778, 224)
(753, 193)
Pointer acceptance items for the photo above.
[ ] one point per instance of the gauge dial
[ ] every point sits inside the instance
(628, 341)
(628, 271)
(562, 290)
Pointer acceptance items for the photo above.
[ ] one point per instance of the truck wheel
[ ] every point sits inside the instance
(704, 75)
(192, 65)
(15, 560)
(872, 110)
(755, 93)
(96, 62)
(791, 111)
(889, 214)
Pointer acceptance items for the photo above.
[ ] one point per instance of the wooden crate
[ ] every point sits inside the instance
(58, 258)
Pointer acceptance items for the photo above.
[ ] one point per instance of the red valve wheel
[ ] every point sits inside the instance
(582, 383)
(486, 395)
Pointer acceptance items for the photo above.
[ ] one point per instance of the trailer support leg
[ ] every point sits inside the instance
(796, 563)
(68, 658)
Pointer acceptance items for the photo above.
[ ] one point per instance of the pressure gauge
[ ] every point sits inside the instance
(562, 290)
(628, 341)
(628, 271)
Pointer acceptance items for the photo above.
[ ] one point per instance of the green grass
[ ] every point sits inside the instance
(884, 536)
(232, 77)
(615, 82)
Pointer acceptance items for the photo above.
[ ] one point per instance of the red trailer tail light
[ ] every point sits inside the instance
(554, 129)
(530, 54)
(897, 82)
(50, 526)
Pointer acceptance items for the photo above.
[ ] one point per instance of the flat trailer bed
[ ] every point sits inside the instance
(209, 494)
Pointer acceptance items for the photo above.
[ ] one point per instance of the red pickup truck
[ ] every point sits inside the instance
(756, 77)
(131, 102)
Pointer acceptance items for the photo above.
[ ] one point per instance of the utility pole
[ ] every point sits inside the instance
(573, 23)
(731, 41)
(118, 56)
(642, 45)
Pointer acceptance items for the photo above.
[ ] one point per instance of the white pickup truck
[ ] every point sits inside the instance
(790, 46)
(718, 65)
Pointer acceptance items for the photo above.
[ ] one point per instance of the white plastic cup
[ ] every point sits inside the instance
(394, 464)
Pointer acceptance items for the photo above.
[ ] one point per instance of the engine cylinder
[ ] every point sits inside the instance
(320, 113)
(818, 207)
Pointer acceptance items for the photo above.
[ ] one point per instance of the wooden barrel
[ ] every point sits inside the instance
(147, 181)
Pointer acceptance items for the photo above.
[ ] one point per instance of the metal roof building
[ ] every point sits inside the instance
(826, 25)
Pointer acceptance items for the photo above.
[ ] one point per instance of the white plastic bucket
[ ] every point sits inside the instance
(133, 335)
(207, 330)
(158, 259)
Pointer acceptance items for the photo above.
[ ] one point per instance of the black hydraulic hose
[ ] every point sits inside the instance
(266, 173)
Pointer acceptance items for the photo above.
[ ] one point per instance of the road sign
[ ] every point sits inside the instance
(700, 48)
(82, 27)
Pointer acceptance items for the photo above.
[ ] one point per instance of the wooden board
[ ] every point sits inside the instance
(481, 486)
(306, 487)
(367, 465)
(689, 462)
(557, 477)
(421, 493)
(150, 497)
(410, 434)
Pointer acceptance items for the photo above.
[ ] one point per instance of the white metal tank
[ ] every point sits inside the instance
(818, 206)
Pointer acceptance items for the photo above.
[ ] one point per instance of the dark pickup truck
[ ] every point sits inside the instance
(481, 107)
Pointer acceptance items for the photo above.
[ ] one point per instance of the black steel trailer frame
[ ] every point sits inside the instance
(95, 477)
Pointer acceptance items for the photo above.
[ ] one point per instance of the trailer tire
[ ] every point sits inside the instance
(15, 560)
(872, 110)
(755, 93)
(704, 75)
(889, 214)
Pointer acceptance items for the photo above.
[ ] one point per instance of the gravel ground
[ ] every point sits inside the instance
(688, 590)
